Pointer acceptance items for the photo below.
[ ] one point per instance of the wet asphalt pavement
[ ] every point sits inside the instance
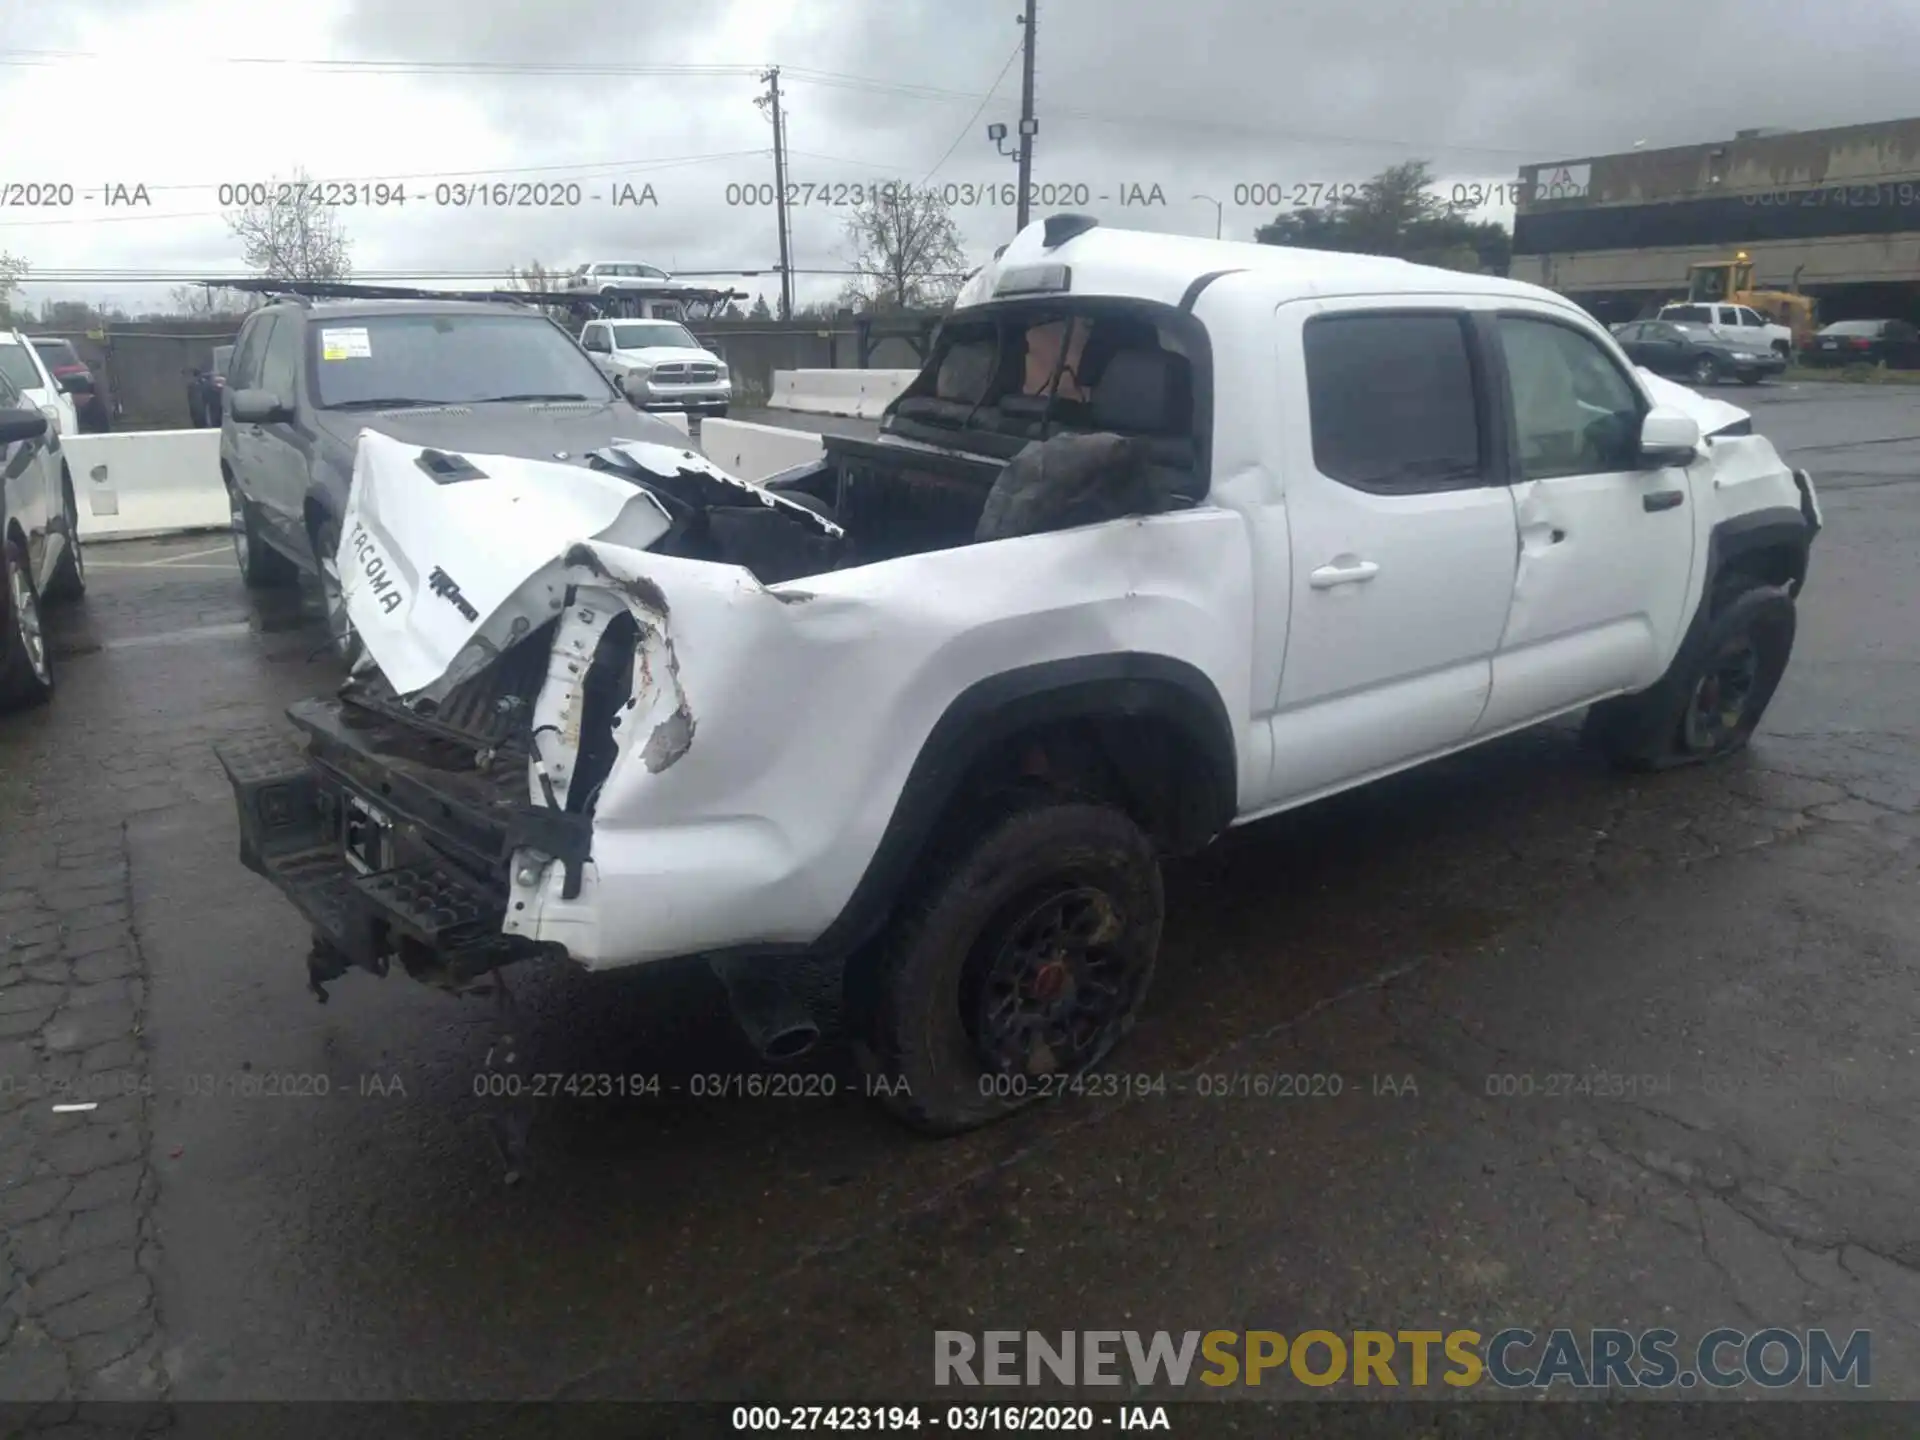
(308, 1205)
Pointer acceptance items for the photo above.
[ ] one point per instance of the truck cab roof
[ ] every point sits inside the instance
(1173, 269)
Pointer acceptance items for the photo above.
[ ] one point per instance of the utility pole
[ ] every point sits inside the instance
(771, 100)
(1028, 125)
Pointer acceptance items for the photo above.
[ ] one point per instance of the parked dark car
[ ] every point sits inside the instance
(457, 375)
(73, 376)
(1892, 343)
(205, 389)
(1698, 353)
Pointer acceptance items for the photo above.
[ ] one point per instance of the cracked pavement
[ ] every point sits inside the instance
(1611, 1051)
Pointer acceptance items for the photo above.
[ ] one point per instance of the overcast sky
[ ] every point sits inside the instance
(1201, 97)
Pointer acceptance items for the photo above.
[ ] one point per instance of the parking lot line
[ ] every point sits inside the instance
(189, 555)
(146, 565)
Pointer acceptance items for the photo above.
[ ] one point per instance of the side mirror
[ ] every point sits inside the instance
(77, 384)
(1668, 437)
(17, 425)
(257, 407)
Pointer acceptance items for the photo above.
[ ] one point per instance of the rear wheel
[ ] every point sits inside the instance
(1704, 371)
(261, 566)
(1019, 965)
(26, 674)
(69, 578)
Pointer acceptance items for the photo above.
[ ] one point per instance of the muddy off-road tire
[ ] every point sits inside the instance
(1709, 704)
(1019, 962)
(26, 673)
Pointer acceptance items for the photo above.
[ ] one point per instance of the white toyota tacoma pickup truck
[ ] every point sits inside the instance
(1171, 534)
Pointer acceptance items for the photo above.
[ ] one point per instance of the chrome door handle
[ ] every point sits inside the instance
(1327, 576)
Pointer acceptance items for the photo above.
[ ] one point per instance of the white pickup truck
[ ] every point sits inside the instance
(660, 365)
(1171, 534)
(1736, 322)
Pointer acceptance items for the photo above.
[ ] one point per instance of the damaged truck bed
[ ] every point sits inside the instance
(518, 725)
(1168, 535)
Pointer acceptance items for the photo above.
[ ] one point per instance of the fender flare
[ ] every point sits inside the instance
(1737, 535)
(1124, 684)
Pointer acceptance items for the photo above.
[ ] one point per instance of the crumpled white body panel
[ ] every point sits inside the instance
(438, 577)
(773, 727)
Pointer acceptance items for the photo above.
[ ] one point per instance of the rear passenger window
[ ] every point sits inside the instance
(244, 371)
(280, 368)
(1392, 402)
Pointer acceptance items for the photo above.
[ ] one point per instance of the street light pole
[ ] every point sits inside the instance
(1218, 211)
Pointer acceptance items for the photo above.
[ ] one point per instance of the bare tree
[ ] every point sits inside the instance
(13, 269)
(534, 277)
(907, 253)
(537, 278)
(289, 234)
(207, 302)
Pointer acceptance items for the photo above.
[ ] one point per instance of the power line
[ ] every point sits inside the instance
(156, 276)
(828, 79)
(974, 119)
(56, 58)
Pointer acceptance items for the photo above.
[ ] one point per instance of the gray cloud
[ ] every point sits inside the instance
(1198, 96)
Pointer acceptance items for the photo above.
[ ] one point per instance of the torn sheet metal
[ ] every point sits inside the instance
(724, 815)
(697, 480)
(442, 571)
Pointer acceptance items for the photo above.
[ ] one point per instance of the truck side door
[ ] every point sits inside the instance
(29, 499)
(1606, 545)
(597, 340)
(284, 446)
(1402, 536)
(240, 440)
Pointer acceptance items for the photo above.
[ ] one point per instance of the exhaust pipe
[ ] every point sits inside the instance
(778, 1026)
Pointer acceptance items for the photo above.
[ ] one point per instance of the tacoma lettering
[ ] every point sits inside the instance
(382, 585)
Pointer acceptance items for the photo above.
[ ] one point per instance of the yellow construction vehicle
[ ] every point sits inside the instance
(1731, 282)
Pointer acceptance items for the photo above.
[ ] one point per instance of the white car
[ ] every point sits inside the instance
(1739, 323)
(936, 706)
(27, 370)
(40, 561)
(660, 365)
(609, 277)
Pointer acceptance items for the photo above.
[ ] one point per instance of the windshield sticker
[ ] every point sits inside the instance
(351, 344)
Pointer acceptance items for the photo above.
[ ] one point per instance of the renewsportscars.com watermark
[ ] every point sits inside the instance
(1724, 1359)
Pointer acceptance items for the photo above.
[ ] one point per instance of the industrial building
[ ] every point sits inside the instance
(1834, 212)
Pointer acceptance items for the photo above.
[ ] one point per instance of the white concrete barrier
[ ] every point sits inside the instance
(676, 418)
(859, 394)
(159, 482)
(146, 482)
(753, 452)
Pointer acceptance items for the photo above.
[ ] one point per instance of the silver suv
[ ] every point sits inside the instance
(609, 277)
